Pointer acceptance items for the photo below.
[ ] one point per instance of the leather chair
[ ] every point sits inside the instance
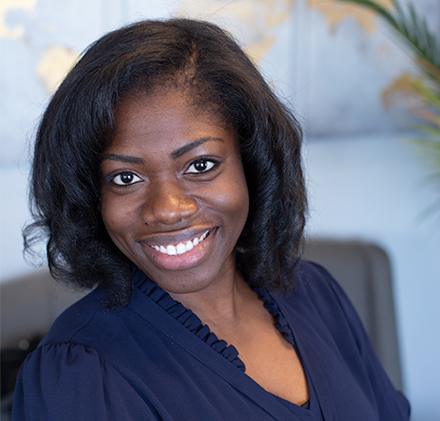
(364, 272)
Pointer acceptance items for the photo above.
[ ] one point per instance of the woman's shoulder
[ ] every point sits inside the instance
(318, 296)
(313, 279)
(71, 361)
(74, 381)
(90, 325)
(77, 317)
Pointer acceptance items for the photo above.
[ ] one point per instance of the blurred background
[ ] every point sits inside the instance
(340, 69)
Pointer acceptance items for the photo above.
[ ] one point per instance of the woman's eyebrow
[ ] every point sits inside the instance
(188, 147)
(123, 158)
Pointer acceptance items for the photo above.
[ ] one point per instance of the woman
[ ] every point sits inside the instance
(167, 173)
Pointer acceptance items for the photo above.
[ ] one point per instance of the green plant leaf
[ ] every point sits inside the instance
(429, 95)
(414, 32)
(431, 131)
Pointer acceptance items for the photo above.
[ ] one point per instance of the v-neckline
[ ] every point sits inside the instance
(218, 355)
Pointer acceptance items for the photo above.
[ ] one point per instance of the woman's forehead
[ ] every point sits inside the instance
(169, 120)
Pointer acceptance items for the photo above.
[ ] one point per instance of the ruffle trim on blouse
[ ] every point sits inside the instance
(186, 317)
(272, 307)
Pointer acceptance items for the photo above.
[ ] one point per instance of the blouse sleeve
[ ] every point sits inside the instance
(391, 404)
(70, 382)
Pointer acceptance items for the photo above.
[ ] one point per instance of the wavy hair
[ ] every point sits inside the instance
(77, 127)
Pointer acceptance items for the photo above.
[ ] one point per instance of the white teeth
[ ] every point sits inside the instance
(181, 248)
(171, 250)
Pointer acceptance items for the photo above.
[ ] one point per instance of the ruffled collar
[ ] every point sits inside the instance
(188, 319)
(272, 307)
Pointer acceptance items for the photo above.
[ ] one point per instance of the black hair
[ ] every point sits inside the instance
(77, 127)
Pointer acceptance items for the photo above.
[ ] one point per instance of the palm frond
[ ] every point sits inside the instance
(432, 132)
(414, 32)
(430, 96)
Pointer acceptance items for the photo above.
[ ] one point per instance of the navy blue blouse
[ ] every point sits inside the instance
(155, 360)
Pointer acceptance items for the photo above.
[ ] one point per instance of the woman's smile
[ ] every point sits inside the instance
(174, 195)
(183, 255)
(182, 247)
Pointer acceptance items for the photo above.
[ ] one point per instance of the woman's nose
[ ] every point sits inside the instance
(168, 205)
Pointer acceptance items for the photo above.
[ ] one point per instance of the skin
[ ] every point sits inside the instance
(172, 173)
(158, 143)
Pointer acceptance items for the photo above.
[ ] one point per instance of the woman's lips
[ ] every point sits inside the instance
(171, 255)
(182, 247)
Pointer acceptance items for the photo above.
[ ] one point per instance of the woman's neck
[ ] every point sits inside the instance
(223, 303)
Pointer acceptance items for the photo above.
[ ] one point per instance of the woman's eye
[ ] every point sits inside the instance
(201, 166)
(125, 179)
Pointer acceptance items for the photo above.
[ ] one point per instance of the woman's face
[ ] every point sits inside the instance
(174, 196)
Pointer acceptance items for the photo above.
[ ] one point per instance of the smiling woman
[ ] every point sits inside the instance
(176, 202)
(168, 175)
